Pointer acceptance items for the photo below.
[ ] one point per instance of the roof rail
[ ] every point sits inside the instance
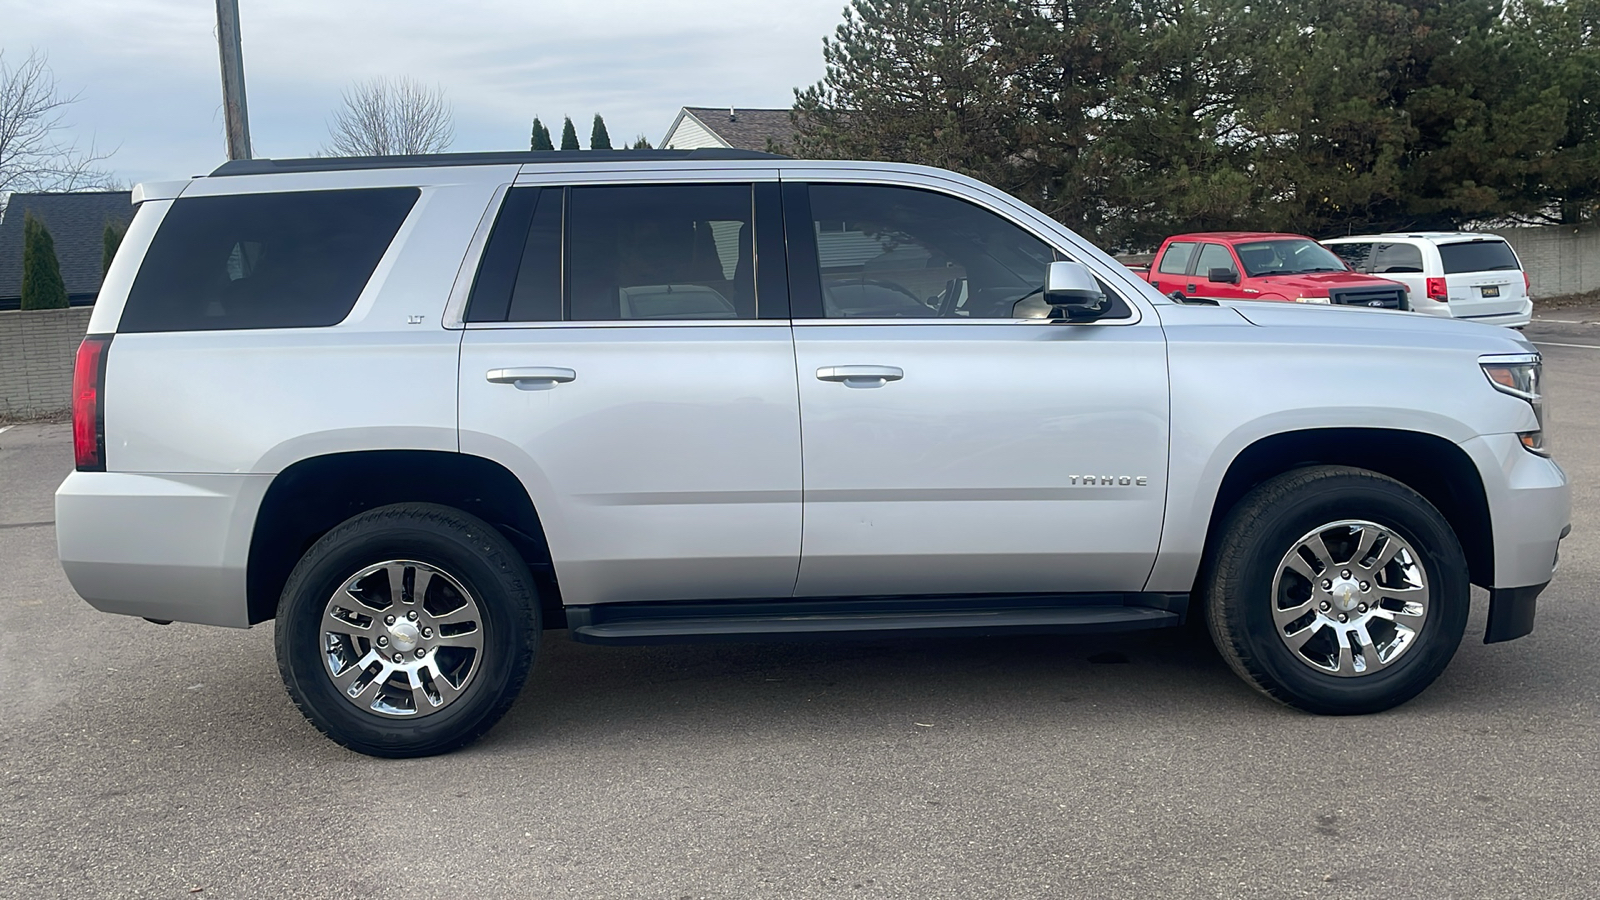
(493, 158)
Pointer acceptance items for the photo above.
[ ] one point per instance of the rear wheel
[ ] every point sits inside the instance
(1337, 590)
(407, 631)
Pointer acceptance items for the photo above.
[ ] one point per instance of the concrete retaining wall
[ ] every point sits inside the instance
(37, 348)
(1559, 259)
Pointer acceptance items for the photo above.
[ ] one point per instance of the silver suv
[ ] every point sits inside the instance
(418, 409)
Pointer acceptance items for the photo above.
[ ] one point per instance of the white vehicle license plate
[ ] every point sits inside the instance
(1490, 290)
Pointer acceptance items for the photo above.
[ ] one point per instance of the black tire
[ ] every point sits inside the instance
(1255, 538)
(473, 554)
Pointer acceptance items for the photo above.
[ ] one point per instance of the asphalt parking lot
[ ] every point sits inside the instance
(141, 761)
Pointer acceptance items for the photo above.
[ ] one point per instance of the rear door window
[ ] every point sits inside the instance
(519, 275)
(1354, 255)
(284, 260)
(1395, 259)
(627, 252)
(1176, 260)
(1477, 256)
(681, 251)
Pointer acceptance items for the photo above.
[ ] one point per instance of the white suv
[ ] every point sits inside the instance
(1461, 274)
(418, 409)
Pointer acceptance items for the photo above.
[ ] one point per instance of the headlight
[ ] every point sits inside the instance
(1313, 300)
(1519, 375)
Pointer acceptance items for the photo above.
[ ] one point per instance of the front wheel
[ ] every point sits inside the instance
(407, 631)
(1337, 590)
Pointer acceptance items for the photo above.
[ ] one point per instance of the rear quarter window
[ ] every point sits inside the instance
(284, 260)
(1477, 256)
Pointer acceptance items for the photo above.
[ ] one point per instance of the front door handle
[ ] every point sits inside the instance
(532, 378)
(861, 376)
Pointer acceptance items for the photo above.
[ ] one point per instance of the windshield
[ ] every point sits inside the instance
(1289, 256)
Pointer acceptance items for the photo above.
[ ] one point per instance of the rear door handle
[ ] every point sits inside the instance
(532, 378)
(861, 376)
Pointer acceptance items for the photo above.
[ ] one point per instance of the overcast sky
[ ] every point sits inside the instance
(148, 72)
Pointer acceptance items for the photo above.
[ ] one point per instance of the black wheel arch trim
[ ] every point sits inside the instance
(313, 495)
(1433, 466)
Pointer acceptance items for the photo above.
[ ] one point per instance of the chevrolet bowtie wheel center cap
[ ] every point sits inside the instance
(405, 635)
(1346, 594)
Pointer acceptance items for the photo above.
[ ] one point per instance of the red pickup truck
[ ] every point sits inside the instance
(1254, 265)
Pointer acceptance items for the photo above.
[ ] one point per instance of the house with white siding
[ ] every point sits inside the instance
(730, 129)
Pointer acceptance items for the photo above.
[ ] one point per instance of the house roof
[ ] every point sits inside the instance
(745, 129)
(77, 223)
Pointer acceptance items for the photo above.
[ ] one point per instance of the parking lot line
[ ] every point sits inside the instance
(6, 428)
(1580, 346)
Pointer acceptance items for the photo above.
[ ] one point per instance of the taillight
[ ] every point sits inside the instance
(89, 403)
(1437, 290)
(1527, 283)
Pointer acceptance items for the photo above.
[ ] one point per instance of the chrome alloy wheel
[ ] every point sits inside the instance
(1350, 598)
(402, 638)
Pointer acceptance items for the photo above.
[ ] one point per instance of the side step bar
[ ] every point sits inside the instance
(873, 617)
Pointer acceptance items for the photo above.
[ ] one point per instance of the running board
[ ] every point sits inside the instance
(835, 619)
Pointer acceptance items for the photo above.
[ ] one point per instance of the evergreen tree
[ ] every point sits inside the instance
(1007, 91)
(110, 240)
(599, 138)
(1129, 120)
(569, 135)
(42, 287)
(641, 143)
(541, 137)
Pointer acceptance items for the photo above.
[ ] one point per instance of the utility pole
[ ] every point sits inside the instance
(234, 108)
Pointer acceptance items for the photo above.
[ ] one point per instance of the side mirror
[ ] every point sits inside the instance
(1073, 293)
(1223, 276)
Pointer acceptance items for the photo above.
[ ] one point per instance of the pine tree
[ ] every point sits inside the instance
(541, 137)
(641, 143)
(599, 138)
(110, 240)
(569, 136)
(42, 287)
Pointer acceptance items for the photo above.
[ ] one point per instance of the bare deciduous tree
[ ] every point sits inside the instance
(390, 116)
(35, 154)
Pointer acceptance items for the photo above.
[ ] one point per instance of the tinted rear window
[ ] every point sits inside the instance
(678, 251)
(289, 260)
(1477, 256)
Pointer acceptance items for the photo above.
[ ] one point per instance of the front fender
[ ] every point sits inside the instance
(1235, 383)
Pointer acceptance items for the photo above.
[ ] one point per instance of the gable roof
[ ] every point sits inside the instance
(77, 223)
(740, 129)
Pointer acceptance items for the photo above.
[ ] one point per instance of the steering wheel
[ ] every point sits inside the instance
(950, 297)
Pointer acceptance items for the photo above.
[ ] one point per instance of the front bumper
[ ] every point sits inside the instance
(1530, 512)
(170, 547)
